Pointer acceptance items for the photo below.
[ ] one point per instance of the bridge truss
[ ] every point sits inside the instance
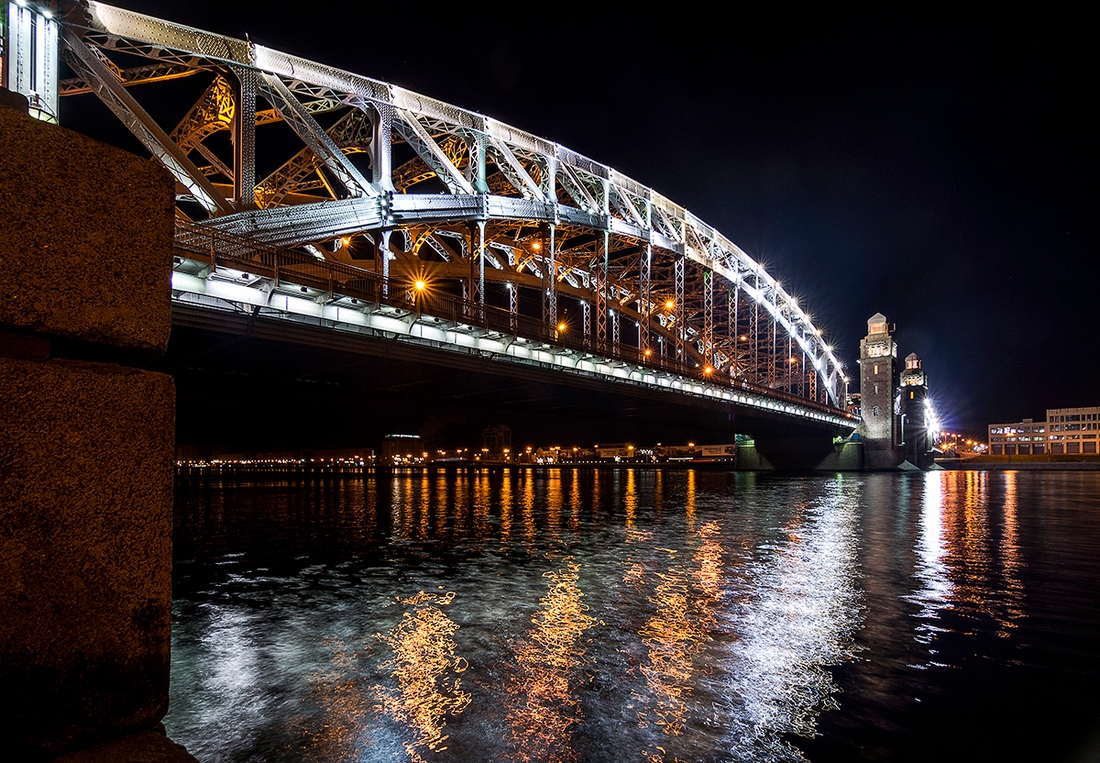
(367, 193)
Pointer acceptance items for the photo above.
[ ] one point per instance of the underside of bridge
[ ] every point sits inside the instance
(249, 385)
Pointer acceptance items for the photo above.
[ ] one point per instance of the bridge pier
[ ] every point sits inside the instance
(811, 452)
(86, 442)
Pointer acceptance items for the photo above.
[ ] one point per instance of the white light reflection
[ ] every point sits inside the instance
(226, 664)
(935, 588)
(798, 618)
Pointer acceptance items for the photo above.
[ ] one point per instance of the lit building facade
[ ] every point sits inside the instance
(878, 355)
(1023, 438)
(1073, 431)
(1066, 431)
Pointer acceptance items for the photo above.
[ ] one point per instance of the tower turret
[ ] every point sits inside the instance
(914, 413)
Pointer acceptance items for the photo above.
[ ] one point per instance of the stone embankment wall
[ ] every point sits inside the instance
(86, 442)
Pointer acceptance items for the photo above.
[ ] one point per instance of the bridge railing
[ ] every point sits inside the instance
(339, 279)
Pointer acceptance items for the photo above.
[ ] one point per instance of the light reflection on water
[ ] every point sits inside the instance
(541, 692)
(426, 668)
(616, 615)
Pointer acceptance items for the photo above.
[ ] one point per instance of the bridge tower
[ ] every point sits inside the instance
(914, 413)
(878, 355)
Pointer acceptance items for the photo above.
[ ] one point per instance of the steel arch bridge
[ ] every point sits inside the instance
(314, 194)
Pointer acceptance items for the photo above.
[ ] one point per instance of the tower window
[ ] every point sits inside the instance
(910, 394)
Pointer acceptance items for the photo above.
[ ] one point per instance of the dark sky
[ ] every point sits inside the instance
(940, 169)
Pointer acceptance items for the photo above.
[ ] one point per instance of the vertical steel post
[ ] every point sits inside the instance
(708, 317)
(384, 253)
(552, 279)
(480, 298)
(381, 144)
(790, 365)
(601, 292)
(754, 333)
(645, 306)
(772, 381)
(678, 308)
(735, 298)
(244, 137)
(513, 304)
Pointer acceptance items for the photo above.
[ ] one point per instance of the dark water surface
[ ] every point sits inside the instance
(638, 616)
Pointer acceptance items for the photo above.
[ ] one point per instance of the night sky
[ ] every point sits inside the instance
(939, 169)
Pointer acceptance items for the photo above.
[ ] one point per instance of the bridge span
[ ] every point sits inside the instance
(318, 206)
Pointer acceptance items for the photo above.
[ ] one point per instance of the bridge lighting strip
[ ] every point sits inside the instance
(229, 292)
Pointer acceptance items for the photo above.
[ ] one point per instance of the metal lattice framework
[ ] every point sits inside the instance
(372, 178)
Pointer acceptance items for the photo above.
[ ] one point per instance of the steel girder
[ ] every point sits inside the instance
(481, 207)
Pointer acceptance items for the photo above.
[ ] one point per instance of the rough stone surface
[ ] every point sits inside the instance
(85, 552)
(86, 240)
(143, 747)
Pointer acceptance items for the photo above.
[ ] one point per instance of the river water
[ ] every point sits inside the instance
(638, 615)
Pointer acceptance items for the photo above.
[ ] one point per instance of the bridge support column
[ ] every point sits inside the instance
(801, 453)
(87, 446)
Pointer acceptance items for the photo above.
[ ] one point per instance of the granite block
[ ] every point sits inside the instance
(85, 552)
(85, 238)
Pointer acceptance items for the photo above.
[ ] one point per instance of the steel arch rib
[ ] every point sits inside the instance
(604, 200)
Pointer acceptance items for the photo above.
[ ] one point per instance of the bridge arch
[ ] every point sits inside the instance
(383, 183)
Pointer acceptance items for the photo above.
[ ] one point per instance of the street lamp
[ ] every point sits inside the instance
(419, 285)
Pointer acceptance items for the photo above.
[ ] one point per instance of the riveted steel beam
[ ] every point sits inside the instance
(94, 71)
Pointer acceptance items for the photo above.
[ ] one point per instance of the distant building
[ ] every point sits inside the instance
(497, 442)
(915, 418)
(877, 389)
(401, 450)
(1073, 430)
(1066, 431)
(1022, 438)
